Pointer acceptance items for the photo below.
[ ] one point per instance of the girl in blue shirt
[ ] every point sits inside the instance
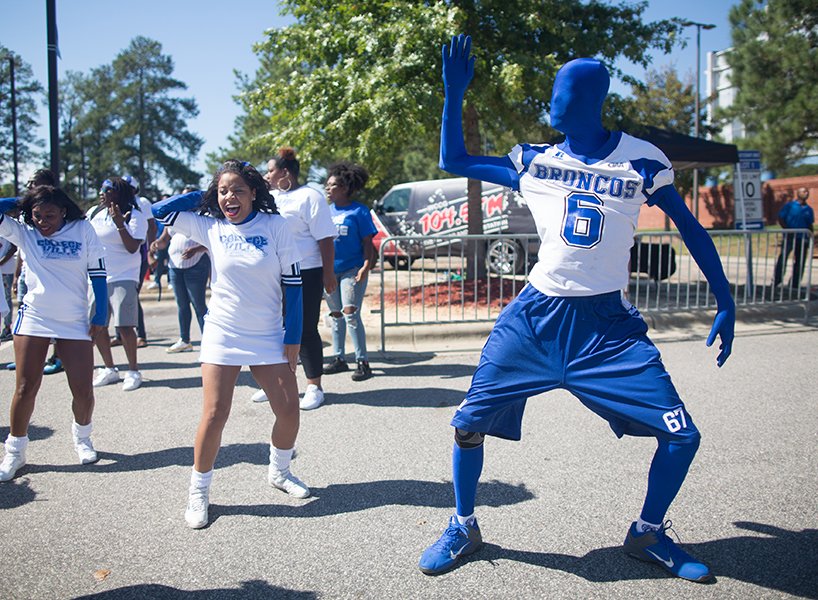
(354, 256)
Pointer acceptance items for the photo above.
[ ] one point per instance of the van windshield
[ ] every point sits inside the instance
(397, 200)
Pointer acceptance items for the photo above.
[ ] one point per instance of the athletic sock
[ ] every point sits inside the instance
(667, 473)
(642, 526)
(16, 444)
(201, 480)
(280, 459)
(467, 464)
(464, 520)
(82, 431)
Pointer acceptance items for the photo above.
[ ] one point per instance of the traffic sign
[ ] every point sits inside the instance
(749, 212)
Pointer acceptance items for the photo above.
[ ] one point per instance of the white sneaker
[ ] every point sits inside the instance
(259, 396)
(106, 376)
(313, 397)
(85, 450)
(287, 482)
(12, 461)
(170, 286)
(179, 346)
(131, 381)
(197, 503)
(152, 285)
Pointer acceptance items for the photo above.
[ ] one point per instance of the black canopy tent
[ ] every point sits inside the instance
(687, 152)
(684, 151)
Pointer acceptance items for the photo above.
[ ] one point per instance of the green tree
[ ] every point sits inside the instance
(361, 80)
(152, 138)
(28, 94)
(248, 126)
(667, 102)
(774, 65)
(89, 124)
(73, 143)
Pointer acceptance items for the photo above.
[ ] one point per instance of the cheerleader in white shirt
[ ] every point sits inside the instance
(255, 271)
(62, 251)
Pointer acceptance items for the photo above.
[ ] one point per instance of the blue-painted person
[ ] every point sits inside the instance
(570, 327)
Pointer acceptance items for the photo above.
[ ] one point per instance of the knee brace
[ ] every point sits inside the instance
(468, 439)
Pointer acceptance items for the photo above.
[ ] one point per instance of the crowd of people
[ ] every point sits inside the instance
(268, 243)
(274, 248)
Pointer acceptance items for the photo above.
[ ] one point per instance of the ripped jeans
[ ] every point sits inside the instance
(348, 295)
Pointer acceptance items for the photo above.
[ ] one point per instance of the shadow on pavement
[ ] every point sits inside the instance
(16, 493)
(780, 560)
(405, 358)
(113, 462)
(354, 497)
(35, 433)
(154, 591)
(400, 397)
(444, 371)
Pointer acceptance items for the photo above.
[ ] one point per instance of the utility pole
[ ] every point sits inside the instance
(15, 157)
(53, 106)
(699, 27)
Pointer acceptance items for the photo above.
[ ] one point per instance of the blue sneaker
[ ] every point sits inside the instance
(458, 540)
(655, 546)
(52, 365)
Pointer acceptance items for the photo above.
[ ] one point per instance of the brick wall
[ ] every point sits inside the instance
(716, 203)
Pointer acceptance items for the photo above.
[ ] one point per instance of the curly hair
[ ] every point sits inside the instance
(123, 193)
(287, 161)
(263, 202)
(48, 194)
(42, 177)
(353, 177)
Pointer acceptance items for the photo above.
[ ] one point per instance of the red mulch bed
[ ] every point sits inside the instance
(443, 293)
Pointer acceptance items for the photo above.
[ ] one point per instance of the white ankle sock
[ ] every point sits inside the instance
(642, 526)
(16, 444)
(200, 480)
(81, 431)
(464, 520)
(280, 459)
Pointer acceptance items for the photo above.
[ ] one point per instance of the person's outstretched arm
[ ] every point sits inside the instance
(704, 253)
(175, 204)
(458, 70)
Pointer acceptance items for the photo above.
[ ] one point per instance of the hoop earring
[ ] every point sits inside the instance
(289, 181)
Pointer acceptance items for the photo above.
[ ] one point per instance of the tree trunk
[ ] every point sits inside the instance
(476, 250)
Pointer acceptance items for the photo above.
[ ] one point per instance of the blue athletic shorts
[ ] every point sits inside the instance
(595, 347)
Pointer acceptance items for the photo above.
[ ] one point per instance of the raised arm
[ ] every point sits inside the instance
(458, 70)
(704, 253)
(6, 204)
(178, 203)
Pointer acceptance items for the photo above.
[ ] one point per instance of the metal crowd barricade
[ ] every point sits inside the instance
(441, 279)
(749, 260)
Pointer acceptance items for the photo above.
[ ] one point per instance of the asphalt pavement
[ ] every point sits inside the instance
(554, 508)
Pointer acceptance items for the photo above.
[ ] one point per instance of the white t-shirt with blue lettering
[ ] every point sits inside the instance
(586, 215)
(57, 267)
(248, 261)
(121, 264)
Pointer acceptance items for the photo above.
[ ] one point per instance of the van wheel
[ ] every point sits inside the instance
(399, 263)
(504, 257)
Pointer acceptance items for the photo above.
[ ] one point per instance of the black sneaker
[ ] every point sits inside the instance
(362, 372)
(338, 365)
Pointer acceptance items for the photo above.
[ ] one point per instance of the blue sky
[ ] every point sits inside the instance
(208, 39)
